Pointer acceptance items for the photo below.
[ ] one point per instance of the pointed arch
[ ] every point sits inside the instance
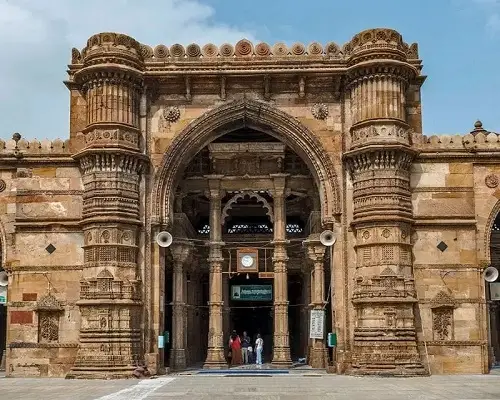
(229, 117)
(488, 228)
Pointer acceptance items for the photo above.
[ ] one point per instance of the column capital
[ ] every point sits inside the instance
(181, 251)
(315, 249)
(279, 182)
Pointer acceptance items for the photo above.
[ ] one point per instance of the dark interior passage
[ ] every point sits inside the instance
(253, 317)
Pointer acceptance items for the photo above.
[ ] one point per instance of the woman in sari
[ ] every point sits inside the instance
(235, 346)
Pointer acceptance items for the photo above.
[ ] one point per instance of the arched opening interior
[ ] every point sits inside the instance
(493, 295)
(245, 160)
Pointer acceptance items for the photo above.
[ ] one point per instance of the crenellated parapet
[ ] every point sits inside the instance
(35, 147)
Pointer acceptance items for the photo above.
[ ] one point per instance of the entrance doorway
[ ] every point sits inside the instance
(252, 316)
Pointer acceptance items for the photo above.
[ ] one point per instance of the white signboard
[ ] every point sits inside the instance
(495, 290)
(316, 328)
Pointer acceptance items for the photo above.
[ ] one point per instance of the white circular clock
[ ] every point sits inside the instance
(247, 261)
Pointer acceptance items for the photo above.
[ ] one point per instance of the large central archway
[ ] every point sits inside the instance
(244, 114)
(205, 142)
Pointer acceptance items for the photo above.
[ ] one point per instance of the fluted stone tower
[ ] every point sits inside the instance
(379, 160)
(111, 164)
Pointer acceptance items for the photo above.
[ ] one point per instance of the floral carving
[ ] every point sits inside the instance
(3, 185)
(177, 50)
(491, 181)
(193, 50)
(161, 51)
(210, 50)
(280, 49)
(442, 323)
(48, 327)
(386, 233)
(226, 50)
(298, 49)
(244, 48)
(172, 114)
(262, 49)
(320, 111)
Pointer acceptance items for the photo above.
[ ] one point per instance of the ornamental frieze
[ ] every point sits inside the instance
(100, 136)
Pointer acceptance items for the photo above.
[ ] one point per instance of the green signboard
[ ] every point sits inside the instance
(252, 292)
(3, 294)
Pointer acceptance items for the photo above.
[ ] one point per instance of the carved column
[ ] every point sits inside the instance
(281, 351)
(111, 164)
(379, 162)
(215, 354)
(181, 254)
(316, 253)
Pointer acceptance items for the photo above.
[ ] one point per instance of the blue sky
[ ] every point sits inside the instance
(459, 43)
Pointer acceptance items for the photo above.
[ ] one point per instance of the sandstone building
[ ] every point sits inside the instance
(248, 149)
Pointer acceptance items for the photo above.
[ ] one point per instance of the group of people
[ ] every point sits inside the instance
(241, 350)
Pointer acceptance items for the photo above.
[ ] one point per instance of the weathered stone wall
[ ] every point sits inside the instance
(41, 206)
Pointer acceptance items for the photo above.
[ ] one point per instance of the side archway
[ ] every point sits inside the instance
(488, 229)
(235, 115)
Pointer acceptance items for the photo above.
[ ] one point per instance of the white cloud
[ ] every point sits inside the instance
(36, 38)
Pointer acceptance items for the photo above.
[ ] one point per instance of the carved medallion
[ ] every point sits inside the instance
(491, 181)
(386, 233)
(3, 185)
(172, 114)
(320, 111)
(366, 235)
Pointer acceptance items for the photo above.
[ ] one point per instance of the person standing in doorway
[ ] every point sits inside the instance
(259, 347)
(245, 342)
(235, 346)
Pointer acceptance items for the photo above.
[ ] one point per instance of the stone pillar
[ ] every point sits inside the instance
(379, 162)
(112, 164)
(215, 353)
(316, 252)
(281, 350)
(181, 254)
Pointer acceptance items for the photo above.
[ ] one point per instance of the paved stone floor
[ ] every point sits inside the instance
(284, 387)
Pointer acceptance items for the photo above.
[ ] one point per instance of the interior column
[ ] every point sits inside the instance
(181, 254)
(215, 353)
(281, 351)
(316, 251)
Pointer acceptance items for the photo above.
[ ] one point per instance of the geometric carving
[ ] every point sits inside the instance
(50, 248)
(443, 299)
(491, 181)
(48, 303)
(3, 185)
(442, 246)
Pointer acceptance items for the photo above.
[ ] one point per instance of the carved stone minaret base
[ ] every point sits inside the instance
(111, 164)
(379, 161)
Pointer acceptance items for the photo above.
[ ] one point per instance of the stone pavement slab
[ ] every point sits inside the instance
(281, 387)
